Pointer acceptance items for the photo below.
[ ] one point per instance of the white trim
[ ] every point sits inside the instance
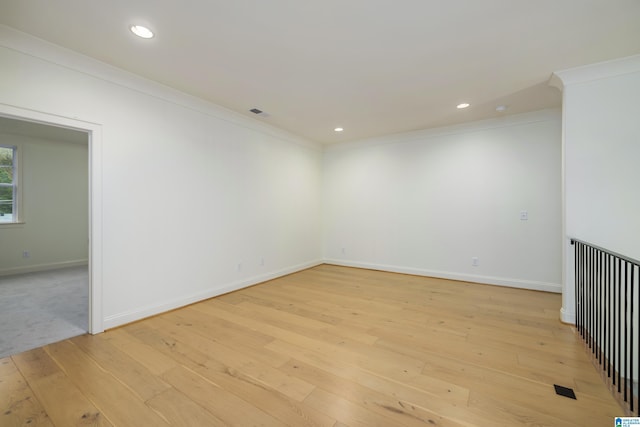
(555, 81)
(43, 267)
(95, 198)
(95, 230)
(568, 310)
(18, 211)
(486, 280)
(29, 45)
(463, 128)
(597, 71)
(568, 318)
(120, 319)
(18, 224)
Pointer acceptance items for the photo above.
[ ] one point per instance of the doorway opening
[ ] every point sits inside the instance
(57, 263)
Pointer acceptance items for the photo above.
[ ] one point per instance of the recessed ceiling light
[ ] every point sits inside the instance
(338, 129)
(141, 31)
(501, 108)
(461, 106)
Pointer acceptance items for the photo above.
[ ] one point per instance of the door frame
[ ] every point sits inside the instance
(94, 132)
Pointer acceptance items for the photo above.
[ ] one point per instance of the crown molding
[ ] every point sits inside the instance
(521, 119)
(30, 45)
(601, 70)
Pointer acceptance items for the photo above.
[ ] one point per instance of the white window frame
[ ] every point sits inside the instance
(17, 186)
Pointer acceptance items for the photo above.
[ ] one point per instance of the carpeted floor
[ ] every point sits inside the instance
(42, 308)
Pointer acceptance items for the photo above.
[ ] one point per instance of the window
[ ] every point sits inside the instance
(8, 184)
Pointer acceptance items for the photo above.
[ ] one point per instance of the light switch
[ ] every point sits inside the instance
(524, 215)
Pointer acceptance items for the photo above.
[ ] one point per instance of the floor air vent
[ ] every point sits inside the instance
(565, 391)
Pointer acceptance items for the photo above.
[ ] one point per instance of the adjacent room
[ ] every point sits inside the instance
(319, 213)
(44, 284)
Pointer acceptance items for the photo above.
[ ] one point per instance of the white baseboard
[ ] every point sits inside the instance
(152, 310)
(566, 317)
(43, 267)
(487, 280)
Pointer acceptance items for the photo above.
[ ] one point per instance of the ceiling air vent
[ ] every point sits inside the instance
(259, 112)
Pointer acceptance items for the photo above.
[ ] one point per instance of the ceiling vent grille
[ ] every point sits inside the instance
(259, 112)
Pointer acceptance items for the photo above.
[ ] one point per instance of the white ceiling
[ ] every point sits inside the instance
(374, 67)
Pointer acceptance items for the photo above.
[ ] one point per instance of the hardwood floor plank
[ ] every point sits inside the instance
(18, 404)
(509, 387)
(179, 410)
(64, 403)
(386, 404)
(428, 389)
(469, 352)
(116, 401)
(223, 405)
(395, 365)
(126, 369)
(278, 405)
(154, 361)
(263, 374)
(233, 336)
(234, 381)
(332, 330)
(557, 369)
(36, 363)
(499, 412)
(541, 348)
(346, 411)
(167, 345)
(282, 318)
(272, 297)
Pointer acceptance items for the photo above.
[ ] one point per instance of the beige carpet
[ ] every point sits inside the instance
(41, 308)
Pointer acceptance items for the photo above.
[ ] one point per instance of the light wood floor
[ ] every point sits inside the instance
(329, 346)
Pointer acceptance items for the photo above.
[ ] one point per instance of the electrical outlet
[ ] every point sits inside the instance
(262, 261)
(344, 252)
(475, 261)
(26, 254)
(239, 266)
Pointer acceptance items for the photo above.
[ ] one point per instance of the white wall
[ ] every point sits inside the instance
(193, 195)
(602, 143)
(427, 202)
(601, 133)
(54, 183)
